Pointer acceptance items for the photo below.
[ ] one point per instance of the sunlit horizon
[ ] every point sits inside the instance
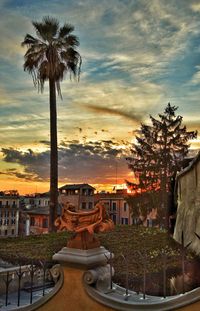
(137, 57)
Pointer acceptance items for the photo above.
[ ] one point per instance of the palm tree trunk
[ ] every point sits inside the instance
(53, 156)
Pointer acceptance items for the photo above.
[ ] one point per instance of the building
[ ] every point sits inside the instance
(37, 221)
(120, 211)
(34, 201)
(34, 214)
(34, 221)
(116, 205)
(9, 214)
(188, 200)
(81, 195)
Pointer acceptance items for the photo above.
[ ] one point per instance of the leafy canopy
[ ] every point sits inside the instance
(52, 53)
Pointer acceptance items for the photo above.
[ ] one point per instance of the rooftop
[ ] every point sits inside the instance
(76, 187)
(39, 211)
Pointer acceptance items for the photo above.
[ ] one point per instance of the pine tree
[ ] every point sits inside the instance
(156, 157)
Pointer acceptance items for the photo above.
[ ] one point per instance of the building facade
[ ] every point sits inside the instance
(9, 215)
(120, 211)
(116, 206)
(188, 210)
(80, 195)
(34, 214)
(34, 201)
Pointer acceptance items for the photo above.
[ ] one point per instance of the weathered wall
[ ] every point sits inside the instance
(188, 212)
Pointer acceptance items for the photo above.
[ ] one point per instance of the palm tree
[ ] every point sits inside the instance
(50, 55)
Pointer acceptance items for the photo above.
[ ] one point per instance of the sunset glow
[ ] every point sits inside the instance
(137, 57)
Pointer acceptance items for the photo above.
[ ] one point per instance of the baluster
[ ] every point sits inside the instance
(43, 265)
(110, 260)
(144, 262)
(32, 270)
(164, 257)
(19, 274)
(7, 281)
(144, 283)
(183, 249)
(126, 295)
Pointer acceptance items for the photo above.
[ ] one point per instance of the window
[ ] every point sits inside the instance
(90, 205)
(125, 206)
(13, 214)
(6, 213)
(114, 218)
(45, 223)
(83, 205)
(114, 206)
(13, 231)
(32, 221)
(13, 222)
(6, 203)
(6, 232)
(0, 203)
(14, 204)
(149, 222)
(124, 221)
(106, 204)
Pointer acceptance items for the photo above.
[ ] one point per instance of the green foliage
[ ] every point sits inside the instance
(128, 240)
(36, 247)
(52, 53)
(156, 157)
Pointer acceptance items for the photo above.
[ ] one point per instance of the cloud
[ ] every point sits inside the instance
(195, 7)
(28, 177)
(137, 56)
(93, 162)
(134, 116)
(196, 76)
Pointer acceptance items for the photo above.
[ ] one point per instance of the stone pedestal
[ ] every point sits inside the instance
(72, 296)
(85, 258)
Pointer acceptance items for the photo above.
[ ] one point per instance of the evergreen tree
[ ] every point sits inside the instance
(156, 157)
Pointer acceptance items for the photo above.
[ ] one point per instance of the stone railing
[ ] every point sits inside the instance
(25, 284)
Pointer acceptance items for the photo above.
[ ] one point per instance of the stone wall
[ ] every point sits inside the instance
(188, 212)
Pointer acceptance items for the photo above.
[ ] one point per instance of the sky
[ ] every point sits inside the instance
(138, 55)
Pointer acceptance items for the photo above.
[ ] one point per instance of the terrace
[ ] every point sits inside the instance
(149, 267)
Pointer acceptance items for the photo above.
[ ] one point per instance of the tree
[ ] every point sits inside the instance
(13, 193)
(49, 57)
(157, 156)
